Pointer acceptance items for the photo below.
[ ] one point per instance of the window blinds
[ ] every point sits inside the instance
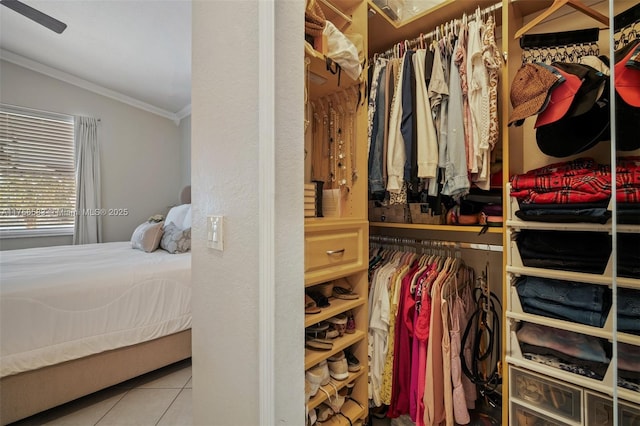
(37, 173)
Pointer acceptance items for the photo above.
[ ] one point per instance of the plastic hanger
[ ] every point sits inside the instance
(557, 4)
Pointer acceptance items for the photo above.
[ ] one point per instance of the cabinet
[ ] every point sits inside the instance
(336, 247)
(585, 400)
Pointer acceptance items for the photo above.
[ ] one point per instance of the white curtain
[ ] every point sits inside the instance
(88, 219)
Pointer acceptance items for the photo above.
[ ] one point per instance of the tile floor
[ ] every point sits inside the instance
(159, 398)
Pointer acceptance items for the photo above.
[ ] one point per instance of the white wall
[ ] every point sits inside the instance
(225, 172)
(141, 151)
(185, 151)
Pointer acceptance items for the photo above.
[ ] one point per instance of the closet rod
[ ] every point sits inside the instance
(415, 41)
(382, 239)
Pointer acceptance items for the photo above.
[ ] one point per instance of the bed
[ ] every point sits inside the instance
(77, 319)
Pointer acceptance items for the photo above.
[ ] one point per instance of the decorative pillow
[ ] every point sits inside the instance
(176, 240)
(147, 236)
(178, 214)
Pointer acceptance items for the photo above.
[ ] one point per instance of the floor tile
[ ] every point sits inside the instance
(81, 412)
(141, 407)
(174, 376)
(180, 412)
(189, 383)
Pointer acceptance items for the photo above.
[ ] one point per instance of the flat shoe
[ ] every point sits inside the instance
(343, 293)
(318, 345)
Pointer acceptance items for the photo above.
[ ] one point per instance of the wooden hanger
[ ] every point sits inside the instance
(557, 4)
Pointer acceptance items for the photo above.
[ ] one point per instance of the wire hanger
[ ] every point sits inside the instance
(557, 4)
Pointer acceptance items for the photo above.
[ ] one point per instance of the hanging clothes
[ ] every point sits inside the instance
(455, 79)
(427, 301)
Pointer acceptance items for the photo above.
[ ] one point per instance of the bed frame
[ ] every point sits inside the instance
(28, 393)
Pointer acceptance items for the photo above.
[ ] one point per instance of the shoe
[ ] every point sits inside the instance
(324, 412)
(351, 324)
(338, 367)
(310, 389)
(339, 323)
(325, 289)
(319, 298)
(319, 344)
(342, 290)
(318, 375)
(312, 417)
(310, 306)
(353, 365)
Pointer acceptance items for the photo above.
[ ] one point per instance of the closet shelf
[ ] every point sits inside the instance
(350, 409)
(515, 266)
(443, 228)
(631, 339)
(605, 386)
(515, 223)
(312, 357)
(320, 397)
(321, 82)
(337, 306)
(389, 32)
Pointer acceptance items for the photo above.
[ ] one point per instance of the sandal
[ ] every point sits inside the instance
(318, 345)
(342, 290)
(310, 306)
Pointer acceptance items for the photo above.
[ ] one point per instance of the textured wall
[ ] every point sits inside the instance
(225, 170)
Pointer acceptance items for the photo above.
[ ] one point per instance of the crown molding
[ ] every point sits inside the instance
(87, 85)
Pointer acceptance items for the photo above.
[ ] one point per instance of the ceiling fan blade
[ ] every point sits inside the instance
(35, 15)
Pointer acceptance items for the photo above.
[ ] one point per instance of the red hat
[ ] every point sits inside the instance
(628, 79)
(561, 98)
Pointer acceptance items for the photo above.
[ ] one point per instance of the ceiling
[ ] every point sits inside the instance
(138, 51)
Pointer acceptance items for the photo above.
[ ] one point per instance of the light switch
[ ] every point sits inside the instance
(215, 232)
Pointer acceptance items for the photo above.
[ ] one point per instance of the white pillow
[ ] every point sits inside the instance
(178, 215)
(187, 219)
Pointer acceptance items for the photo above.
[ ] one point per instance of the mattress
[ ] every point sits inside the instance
(66, 302)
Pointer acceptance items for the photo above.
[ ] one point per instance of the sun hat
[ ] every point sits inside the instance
(529, 90)
(592, 86)
(561, 99)
(628, 78)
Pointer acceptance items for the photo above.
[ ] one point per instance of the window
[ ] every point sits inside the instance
(37, 173)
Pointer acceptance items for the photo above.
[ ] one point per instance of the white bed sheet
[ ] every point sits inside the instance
(66, 302)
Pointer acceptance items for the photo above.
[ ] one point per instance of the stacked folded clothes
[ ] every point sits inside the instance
(575, 251)
(628, 310)
(582, 303)
(578, 191)
(570, 351)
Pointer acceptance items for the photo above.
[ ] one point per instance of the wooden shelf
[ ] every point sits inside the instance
(338, 306)
(313, 357)
(320, 397)
(319, 73)
(384, 32)
(444, 228)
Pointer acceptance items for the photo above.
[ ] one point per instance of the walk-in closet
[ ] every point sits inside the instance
(472, 212)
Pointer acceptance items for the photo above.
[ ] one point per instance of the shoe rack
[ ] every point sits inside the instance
(336, 245)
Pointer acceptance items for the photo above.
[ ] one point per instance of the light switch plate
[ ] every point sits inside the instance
(215, 232)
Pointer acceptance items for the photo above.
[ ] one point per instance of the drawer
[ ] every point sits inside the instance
(547, 394)
(333, 250)
(522, 416)
(600, 412)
